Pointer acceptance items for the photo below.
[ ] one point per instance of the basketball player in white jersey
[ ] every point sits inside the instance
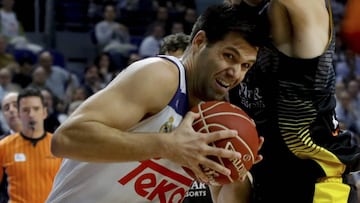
(128, 142)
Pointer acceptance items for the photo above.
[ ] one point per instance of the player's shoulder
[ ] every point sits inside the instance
(158, 61)
(155, 67)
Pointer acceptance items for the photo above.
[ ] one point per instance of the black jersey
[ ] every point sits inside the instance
(292, 101)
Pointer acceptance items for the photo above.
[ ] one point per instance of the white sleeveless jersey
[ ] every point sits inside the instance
(155, 180)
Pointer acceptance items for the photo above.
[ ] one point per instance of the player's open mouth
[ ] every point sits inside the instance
(222, 83)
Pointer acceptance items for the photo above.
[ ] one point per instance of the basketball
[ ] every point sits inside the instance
(220, 115)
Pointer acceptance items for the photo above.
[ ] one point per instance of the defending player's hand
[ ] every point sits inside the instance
(259, 157)
(190, 149)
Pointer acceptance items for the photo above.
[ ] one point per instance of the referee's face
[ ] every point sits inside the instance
(32, 113)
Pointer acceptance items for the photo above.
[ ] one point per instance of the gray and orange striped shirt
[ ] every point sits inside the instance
(30, 167)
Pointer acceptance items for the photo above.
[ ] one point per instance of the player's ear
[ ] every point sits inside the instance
(199, 40)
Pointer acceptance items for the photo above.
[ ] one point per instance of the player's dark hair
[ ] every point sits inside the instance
(218, 20)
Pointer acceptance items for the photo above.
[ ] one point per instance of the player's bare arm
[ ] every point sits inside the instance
(300, 28)
(123, 103)
(238, 192)
(130, 94)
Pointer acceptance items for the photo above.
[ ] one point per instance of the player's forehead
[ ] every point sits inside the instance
(237, 43)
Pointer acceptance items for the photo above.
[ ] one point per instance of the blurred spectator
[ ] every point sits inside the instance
(94, 11)
(177, 5)
(10, 112)
(51, 123)
(59, 80)
(190, 17)
(162, 17)
(5, 57)
(107, 68)
(73, 106)
(349, 67)
(111, 35)
(346, 114)
(6, 84)
(78, 94)
(177, 27)
(130, 5)
(11, 28)
(61, 110)
(92, 80)
(150, 46)
(22, 76)
(174, 44)
(338, 9)
(353, 89)
(38, 78)
(339, 88)
(132, 58)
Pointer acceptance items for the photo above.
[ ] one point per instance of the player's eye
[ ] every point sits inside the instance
(246, 65)
(229, 56)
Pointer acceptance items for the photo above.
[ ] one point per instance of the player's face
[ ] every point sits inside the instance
(31, 109)
(222, 66)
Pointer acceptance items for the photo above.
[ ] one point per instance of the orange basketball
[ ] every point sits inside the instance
(220, 115)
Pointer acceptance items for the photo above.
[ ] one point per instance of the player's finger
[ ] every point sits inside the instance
(215, 166)
(199, 174)
(190, 117)
(261, 142)
(219, 135)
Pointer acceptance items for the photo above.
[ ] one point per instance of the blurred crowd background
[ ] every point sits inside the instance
(72, 49)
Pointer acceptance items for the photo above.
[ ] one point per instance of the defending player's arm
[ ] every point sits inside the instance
(300, 29)
(238, 192)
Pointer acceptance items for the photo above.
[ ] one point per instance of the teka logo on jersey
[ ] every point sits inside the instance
(152, 180)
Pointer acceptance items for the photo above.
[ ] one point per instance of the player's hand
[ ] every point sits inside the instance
(259, 157)
(190, 149)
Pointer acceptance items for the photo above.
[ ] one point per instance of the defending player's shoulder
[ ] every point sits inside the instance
(300, 28)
